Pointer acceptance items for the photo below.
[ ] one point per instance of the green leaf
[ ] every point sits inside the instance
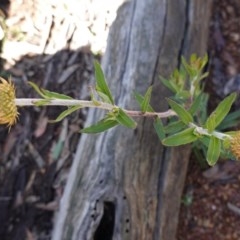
(220, 112)
(174, 127)
(125, 120)
(139, 98)
(184, 137)
(42, 102)
(214, 150)
(100, 126)
(48, 94)
(36, 88)
(182, 113)
(104, 97)
(101, 85)
(169, 84)
(55, 95)
(184, 94)
(231, 120)
(146, 100)
(158, 126)
(65, 114)
(192, 72)
(196, 104)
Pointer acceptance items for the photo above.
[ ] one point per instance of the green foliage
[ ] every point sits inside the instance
(184, 137)
(101, 126)
(158, 126)
(101, 84)
(182, 113)
(214, 149)
(191, 123)
(220, 112)
(125, 120)
(140, 99)
(46, 94)
(65, 113)
(146, 100)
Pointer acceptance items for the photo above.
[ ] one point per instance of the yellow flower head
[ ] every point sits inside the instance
(235, 145)
(8, 108)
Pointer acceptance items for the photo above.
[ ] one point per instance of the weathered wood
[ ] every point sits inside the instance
(130, 169)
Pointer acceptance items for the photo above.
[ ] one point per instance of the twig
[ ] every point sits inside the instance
(90, 104)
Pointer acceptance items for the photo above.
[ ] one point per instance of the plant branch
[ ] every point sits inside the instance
(89, 104)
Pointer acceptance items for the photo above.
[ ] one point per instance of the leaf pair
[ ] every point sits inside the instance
(110, 121)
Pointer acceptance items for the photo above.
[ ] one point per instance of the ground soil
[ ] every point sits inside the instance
(43, 43)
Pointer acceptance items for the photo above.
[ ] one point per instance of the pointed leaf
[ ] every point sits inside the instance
(231, 120)
(174, 127)
(104, 97)
(220, 112)
(125, 120)
(101, 85)
(196, 104)
(184, 94)
(65, 114)
(169, 84)
(182, 113)
(214, 149)
(100, 126)
(146, 100)
(36, 88)
(139, 99)
(158, 126)
(54, 95)
(181, 138)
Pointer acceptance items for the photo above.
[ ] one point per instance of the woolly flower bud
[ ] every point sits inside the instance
(235, 145)
(8, 108)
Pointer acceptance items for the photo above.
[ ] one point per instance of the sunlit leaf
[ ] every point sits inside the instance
(125, 120)
(220, 112)
(100, 126)
(181, 138)
(65, 114)
(182, 113)
(101, 85)
(214, 149)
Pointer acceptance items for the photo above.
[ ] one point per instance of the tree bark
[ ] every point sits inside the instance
(124, 185)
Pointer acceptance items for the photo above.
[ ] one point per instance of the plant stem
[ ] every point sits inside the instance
(89, 104)
(204, 131)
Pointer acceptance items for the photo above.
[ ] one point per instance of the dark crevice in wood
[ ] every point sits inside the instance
(106, 225)
(186, 28)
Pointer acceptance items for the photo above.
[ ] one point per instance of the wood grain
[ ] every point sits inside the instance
(130, 168)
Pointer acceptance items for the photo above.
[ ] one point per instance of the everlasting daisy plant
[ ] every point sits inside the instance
(8, 108)
(188, 121)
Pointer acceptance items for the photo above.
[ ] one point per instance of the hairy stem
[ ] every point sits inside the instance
(89, 104)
